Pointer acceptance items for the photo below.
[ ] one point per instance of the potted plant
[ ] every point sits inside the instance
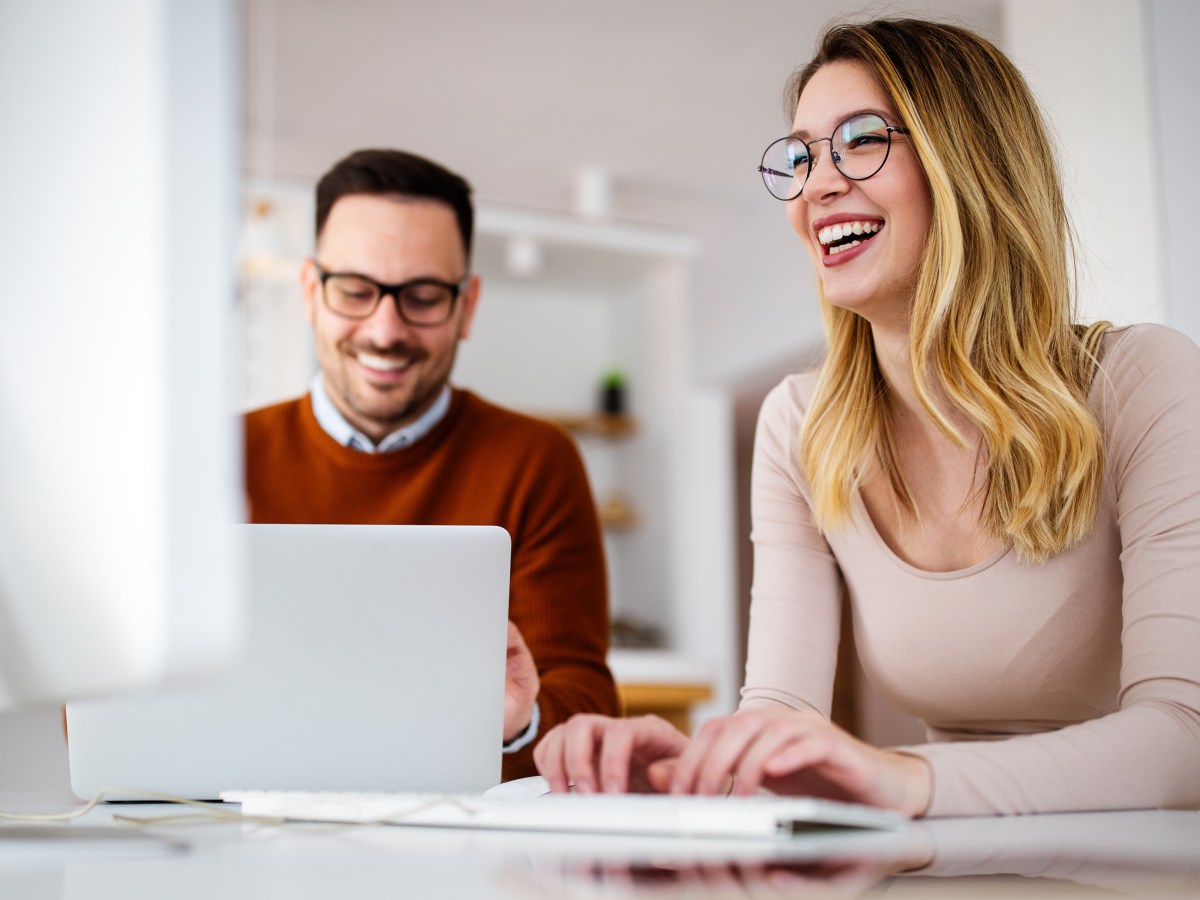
(612, 392)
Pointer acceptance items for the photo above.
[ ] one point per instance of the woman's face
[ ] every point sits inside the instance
(876, 278)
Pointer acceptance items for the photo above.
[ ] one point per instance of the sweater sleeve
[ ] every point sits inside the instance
(796, 596)
(1147, 752)
(558, 592)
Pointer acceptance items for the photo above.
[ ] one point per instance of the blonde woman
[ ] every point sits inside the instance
(1009, 501)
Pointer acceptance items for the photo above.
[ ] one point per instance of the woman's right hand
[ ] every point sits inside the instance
(599, 754)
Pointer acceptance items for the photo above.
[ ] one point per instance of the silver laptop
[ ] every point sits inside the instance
(374, 661)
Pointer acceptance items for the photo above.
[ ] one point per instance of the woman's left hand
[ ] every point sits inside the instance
(792, 752)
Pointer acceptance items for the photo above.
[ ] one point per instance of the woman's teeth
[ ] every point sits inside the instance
(848, 232)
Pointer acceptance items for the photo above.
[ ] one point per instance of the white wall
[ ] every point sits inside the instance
(1087, 62)
(1173, 26)
(755, 299)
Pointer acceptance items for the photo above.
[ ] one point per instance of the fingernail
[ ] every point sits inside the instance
(612, 786)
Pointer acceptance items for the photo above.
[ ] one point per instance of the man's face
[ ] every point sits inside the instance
(381, 372)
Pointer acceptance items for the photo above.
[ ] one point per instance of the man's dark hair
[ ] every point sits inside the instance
(382, 172)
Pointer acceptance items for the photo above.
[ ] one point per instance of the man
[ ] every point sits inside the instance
(382, 437)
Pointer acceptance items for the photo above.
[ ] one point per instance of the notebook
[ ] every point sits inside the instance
(374, 661)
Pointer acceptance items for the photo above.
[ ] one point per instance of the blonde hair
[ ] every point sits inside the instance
(992, 321)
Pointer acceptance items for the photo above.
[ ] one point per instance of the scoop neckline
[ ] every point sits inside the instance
(865, 519)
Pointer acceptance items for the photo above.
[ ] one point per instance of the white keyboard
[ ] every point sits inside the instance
(761, 816)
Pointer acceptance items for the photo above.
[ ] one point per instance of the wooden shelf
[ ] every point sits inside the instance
(605, 425)
(672, 702)
(623, 522)
(617, 513)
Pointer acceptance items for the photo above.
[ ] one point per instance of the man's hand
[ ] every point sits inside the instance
(520, 685)
(600, 754)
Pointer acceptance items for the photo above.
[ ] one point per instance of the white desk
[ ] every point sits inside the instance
(1080, 855)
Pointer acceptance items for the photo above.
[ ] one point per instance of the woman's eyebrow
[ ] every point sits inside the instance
(804, 134)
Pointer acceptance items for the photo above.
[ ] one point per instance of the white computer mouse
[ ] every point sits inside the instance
(519, 789)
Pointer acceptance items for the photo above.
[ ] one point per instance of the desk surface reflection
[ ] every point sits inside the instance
(1136, 854)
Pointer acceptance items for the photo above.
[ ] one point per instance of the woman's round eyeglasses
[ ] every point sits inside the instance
(858, 147)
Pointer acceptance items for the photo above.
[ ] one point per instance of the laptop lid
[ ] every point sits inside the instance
(374, 661)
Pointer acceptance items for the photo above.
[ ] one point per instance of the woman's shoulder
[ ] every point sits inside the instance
(1137, 351)
(791, 397)
(782, 413)
(1144, 370)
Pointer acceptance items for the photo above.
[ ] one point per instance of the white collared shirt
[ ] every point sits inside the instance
(331, 420)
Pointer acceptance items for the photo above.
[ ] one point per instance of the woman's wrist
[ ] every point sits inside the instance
(916, 791)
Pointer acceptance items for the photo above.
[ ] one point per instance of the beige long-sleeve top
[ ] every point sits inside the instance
(1069, 685)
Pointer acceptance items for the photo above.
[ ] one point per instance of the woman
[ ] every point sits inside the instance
(1010, 501)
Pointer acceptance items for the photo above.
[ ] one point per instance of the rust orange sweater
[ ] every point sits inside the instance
(481, 465)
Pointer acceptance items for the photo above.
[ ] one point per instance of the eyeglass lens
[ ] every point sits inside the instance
(419, 302)
(858, 147)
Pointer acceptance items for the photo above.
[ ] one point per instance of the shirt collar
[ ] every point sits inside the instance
(335, 425)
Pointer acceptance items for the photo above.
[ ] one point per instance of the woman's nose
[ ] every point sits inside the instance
(824, 177)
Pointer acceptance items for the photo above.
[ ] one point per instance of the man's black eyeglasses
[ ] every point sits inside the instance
(422, 302)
